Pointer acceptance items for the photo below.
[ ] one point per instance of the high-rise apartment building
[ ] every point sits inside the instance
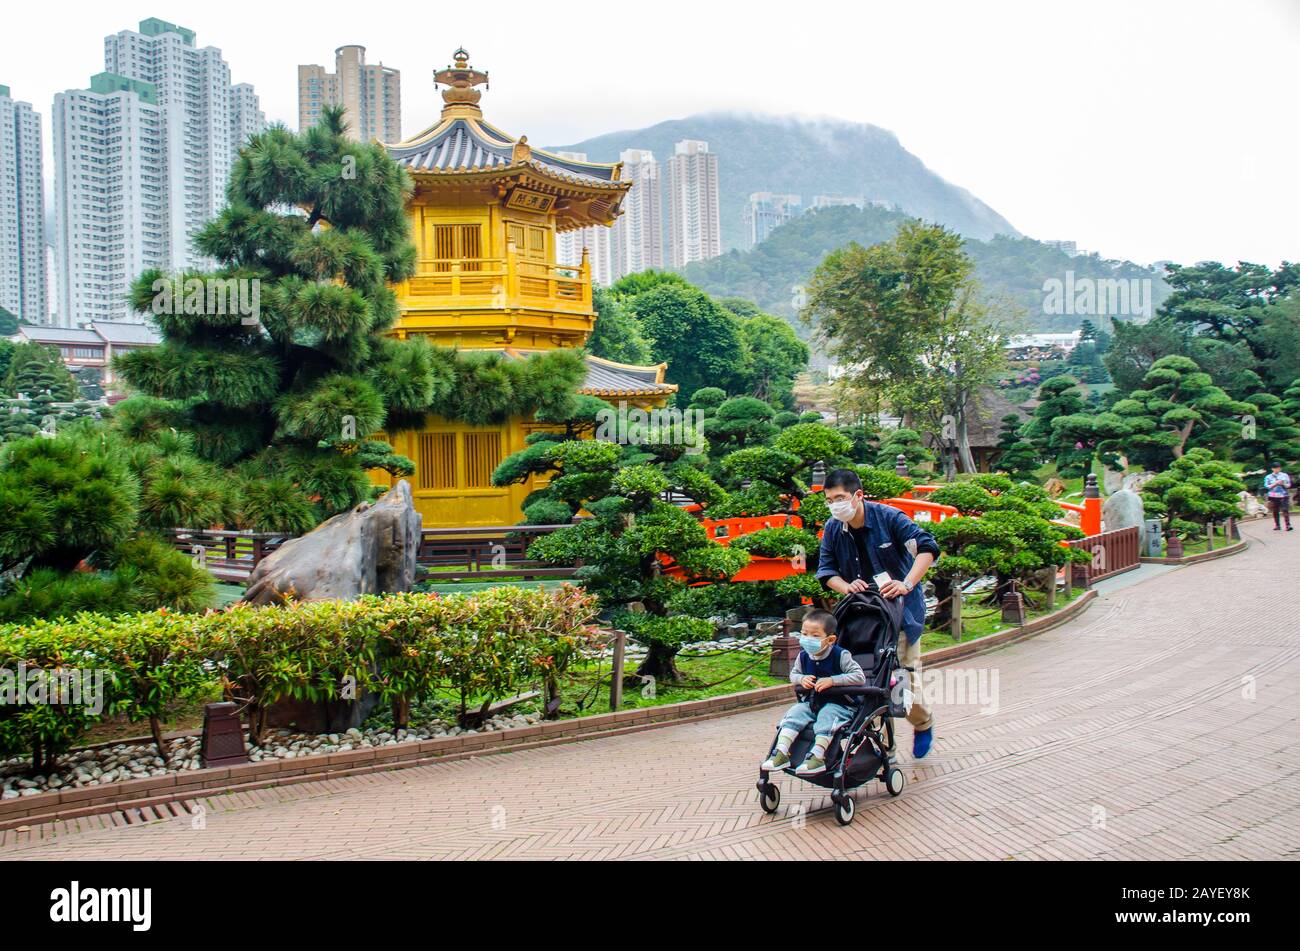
(142, 159)
(246, 116)
(765, 212)
(637, 238)
(111, 190)
(596, 240)
(370, 94)
(22, 212)
(694, 222)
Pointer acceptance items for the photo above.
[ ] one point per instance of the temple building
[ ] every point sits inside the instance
(485, 217)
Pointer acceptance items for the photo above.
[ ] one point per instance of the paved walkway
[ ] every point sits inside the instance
(1160, 725)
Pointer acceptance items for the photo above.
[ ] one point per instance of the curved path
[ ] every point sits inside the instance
(1160, 725)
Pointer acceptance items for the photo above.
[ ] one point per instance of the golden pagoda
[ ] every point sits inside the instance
(484, 217)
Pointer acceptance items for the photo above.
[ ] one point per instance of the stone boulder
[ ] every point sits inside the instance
(1250, 506)
(1135, 480)
(1124, 509)
(368, 550)
(1055, 487)
(1112, 480)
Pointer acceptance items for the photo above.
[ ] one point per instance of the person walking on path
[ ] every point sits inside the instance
(1277, 486)
(867, 542)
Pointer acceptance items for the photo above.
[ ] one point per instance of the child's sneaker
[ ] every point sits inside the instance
(812, 766)
(776, 762)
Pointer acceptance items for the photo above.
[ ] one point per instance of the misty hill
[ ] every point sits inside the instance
(807, 158)
(1013, 268)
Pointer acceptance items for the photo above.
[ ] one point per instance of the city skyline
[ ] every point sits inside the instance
(1081, 156)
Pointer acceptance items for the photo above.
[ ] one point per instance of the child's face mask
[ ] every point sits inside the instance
(811, 643)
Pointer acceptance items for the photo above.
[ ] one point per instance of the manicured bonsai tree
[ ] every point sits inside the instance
(1005, 530)
(633, 537)
(1178, 407)
(907, 443)
(739, 422)
(1016, 455)
(770, 480)
(1193, 490)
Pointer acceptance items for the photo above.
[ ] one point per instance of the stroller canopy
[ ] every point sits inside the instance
(868, 623)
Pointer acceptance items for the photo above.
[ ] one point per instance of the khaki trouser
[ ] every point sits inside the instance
(909, 655)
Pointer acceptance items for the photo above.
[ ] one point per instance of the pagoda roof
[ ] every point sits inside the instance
(467, 144)
(606, 379)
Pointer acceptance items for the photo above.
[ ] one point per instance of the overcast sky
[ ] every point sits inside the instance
(1142, 129)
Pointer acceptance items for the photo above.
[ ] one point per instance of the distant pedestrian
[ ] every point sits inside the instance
(1277, 486)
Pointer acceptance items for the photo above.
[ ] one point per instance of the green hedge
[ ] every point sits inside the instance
(485, 646)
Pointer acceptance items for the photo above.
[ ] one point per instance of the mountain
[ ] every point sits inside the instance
(773, 273)
(807, 158)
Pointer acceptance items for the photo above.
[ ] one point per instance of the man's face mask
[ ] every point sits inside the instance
(843, 509)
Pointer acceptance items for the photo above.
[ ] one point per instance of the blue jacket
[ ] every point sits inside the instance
(889, 533)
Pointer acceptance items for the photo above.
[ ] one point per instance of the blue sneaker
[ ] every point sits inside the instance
(921, 741)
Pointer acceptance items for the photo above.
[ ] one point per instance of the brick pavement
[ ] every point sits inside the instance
(1160, 725)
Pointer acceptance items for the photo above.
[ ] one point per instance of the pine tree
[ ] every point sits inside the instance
(1016, 456)
(1271, 434)
(288, 387)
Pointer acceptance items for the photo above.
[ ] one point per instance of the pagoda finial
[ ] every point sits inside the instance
(460, 96)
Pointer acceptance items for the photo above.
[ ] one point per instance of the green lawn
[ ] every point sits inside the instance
(979, 620)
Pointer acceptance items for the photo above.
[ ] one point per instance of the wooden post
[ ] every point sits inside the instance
(956, 610)
(1209, 535)
(1068, 572)
(1051, 589)
(616, 674)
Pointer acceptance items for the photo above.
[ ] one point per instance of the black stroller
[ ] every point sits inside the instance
(868, 626)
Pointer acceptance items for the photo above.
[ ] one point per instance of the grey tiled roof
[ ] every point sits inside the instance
(58, 335)
(459, 146)
(464, 146)
(125, 333)
(603, 378)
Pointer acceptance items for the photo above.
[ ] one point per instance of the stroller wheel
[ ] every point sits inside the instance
(769, 797)
(894, 781)
(844, 810)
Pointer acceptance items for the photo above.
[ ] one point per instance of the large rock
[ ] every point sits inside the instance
(1250, 506)
(1135, 480)
(1112, 480)
(369, 550)
(1124, 509)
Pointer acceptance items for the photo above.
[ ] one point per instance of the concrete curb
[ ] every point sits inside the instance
(1234, 549)
(161, 797)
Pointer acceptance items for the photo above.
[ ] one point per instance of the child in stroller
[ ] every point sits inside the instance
(821, 664)
(842, 731)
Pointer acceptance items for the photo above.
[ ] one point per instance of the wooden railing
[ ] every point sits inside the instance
(1112, 553)
(459, 554)
(502, 282)
(446, 554)
(228, 555)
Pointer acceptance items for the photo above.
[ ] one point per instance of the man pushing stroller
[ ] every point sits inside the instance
(867, 542)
